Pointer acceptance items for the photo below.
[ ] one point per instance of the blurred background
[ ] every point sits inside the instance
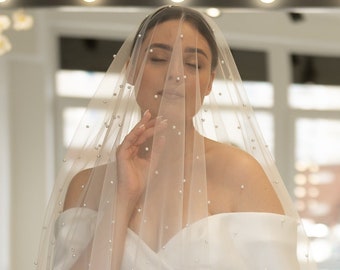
(53, 55)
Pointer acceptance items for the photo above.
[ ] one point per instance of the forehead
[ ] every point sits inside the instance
(172, 31)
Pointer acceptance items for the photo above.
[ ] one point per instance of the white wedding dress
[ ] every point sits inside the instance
(239, 241)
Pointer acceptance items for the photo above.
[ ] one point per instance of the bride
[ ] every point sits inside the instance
(174, 174)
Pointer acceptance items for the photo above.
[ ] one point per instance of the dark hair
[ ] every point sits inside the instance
(189, 15)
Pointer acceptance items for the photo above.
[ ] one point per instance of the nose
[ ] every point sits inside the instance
(175, 68)
(175, 73)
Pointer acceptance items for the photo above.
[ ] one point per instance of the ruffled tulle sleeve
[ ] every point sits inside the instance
(73, 232)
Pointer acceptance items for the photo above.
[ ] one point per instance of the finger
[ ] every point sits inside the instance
(132, 137)
(158, 127)
(157, 151)
(134, 134)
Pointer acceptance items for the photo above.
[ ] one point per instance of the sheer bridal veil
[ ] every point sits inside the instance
(167, 168)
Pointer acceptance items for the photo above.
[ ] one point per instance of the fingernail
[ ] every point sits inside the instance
(142, 126)
(146, 112)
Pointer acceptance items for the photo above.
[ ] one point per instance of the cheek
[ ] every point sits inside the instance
(151, 75)
(203, 87)
(142, 81)
(145, 89)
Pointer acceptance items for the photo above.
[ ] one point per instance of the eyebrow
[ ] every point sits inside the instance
(186, 50)
(196, 50)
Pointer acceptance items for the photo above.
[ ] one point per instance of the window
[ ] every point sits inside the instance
(314, 99)
(252, 66)
(82, 65)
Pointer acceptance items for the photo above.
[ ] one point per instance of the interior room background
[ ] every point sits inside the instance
(290, 64)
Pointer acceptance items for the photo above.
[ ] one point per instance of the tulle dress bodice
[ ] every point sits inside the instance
(241, 241)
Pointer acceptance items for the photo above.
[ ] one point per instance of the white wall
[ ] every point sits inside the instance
(26, 102)
(27, 146)
(4, 168)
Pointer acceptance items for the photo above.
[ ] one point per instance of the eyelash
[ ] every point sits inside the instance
(160, 60)
(193, 65)
(157, 59)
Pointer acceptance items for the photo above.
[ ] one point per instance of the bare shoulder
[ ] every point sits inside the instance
(80, 184)
(231, 161)
(235, 174)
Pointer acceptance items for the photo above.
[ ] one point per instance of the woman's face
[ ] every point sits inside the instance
(176, 63)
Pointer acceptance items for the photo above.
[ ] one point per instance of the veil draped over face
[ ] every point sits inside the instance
(206, 191)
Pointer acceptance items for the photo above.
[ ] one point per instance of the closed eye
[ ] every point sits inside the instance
(193, 65)
(157, 59)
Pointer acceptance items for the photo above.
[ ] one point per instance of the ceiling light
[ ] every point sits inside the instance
(3, 1)
(5, 22)
(268, 1)
(177, 1)
(89, 1)
(213, 12)
(22, 21)
(5, 45)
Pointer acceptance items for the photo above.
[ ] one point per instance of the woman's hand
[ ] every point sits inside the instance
(134, 157)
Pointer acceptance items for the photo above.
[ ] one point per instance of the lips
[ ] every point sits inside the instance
(171, 94)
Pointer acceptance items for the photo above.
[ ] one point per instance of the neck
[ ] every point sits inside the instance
(180, 140)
